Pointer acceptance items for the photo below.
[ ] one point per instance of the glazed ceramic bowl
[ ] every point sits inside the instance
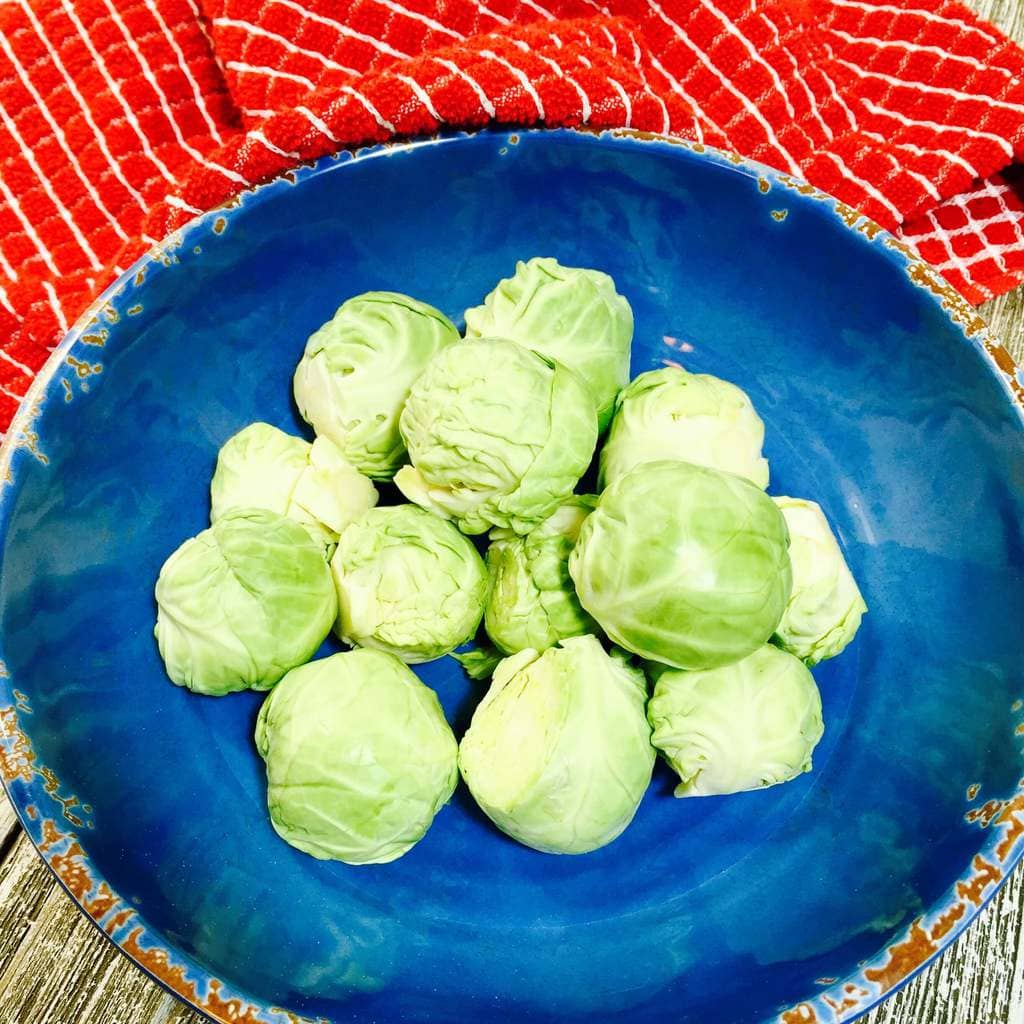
(884, 400)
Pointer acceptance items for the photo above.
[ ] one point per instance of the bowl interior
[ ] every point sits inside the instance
(875, 405)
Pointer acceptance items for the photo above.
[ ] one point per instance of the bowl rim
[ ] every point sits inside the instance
(54, 822)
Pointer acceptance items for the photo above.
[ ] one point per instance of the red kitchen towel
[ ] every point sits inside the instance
(121, 119)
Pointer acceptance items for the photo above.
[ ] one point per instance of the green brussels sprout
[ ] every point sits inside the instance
(242, 603)
(498, 436)
(408, 583)
(314, 484)
(825, 608)
(693, 417)
(559, 754)
(743, 726)
(684, 565)
(355, 375)
(533, 602)
(568, 314)
(359, 757)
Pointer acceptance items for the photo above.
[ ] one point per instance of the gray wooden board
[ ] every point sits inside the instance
(56, 968)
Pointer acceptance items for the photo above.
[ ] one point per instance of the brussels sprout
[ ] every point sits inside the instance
(355, 375)
(498, 436)
(684, 565)
(532, 602)
(693, 417)
(314, 484)
(743, 726)
(559, 754)
(408, 583)
(242, 603)
(825, 608)
(359, 757)
(568, 314)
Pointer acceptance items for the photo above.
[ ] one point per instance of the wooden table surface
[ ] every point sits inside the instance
(56, 968)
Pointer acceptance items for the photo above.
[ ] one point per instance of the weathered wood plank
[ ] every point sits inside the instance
(1007, 14)
(1006, 319)
(978, 981)
(8, 824)
(56, 967)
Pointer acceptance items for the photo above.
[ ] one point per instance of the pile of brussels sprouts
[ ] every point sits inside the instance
(681, 574)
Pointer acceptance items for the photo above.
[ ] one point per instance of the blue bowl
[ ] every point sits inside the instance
(884, 400)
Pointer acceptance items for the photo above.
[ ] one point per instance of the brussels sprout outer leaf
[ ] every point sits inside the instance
(532, 602)
(693, 417)
(408, 583)
(684, 565)
(356, 372)
(569, 314)
(497, 434)
(558, 754)
(359, 757)
(314, 484)
(748, 725)
(242, 603)
(479, 662)
(825, 608)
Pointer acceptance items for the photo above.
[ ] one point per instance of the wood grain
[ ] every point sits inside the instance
(56, 968)
(8, 825)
